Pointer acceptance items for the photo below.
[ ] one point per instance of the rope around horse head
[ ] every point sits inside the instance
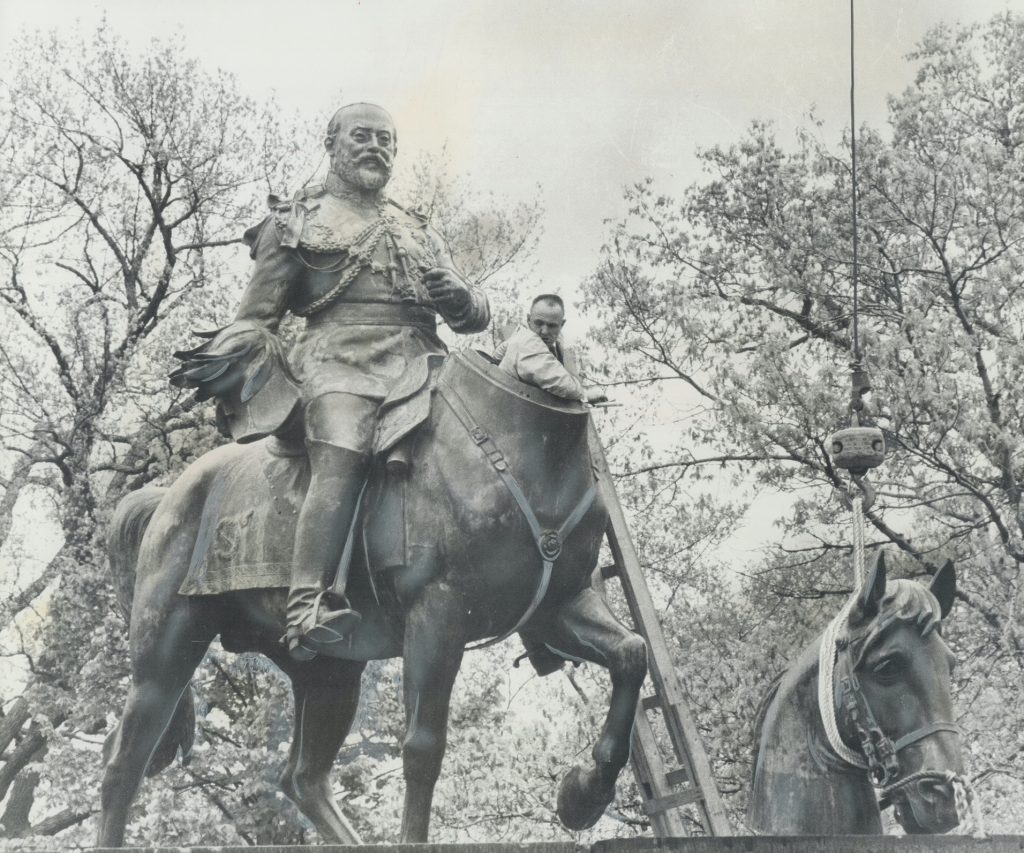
(969, 815)
(828, 651)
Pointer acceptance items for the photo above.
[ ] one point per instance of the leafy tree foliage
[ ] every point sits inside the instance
(735, 300)
(124, 180)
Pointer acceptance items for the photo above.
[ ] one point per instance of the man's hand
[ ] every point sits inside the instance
(446, 286)
(596, 395)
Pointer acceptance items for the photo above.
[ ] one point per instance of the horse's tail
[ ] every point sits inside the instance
(127, 527)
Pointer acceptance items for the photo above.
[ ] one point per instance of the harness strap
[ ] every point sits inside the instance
(879, 754)
(548, 542)
(925, 731)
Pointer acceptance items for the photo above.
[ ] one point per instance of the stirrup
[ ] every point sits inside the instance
(298, 650)
(333, 626)
(329, 626)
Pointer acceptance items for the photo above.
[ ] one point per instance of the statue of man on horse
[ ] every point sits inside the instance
(370, 278)
(457, 504)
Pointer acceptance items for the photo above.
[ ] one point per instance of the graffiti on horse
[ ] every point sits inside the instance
(500, 526)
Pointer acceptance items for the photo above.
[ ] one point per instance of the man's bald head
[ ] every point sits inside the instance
(546, 318)
(362, 144)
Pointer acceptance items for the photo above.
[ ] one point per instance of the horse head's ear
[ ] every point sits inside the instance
(873, 591)
(943, 587)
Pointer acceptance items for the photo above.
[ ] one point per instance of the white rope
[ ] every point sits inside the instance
(827, 651)
(968, 809)
(857, 504)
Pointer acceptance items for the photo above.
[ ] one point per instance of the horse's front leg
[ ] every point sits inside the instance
(586, 628)
(434, 640)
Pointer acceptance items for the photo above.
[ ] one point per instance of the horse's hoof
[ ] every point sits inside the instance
(582, 799)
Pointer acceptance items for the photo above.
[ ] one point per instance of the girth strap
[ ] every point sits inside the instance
(548, 542)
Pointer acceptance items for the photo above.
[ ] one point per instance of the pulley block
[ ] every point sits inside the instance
(858, 449)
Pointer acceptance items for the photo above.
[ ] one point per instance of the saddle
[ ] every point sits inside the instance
(247, 530)
(242, 543)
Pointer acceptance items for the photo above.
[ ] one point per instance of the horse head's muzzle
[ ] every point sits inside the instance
(925, 805)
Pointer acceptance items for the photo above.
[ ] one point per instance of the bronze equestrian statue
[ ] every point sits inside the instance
(479, 516)
(893, 712)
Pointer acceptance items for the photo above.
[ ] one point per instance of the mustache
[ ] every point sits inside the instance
(378, 159)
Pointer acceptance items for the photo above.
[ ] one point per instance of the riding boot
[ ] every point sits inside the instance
(325, 520)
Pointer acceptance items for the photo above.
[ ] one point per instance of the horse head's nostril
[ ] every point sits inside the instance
(937, 791)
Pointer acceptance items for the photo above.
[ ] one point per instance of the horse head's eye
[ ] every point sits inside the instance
(887, 667)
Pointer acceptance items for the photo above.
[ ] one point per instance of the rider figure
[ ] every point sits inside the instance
(371, 279)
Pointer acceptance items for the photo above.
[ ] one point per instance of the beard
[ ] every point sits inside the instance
(365, 174)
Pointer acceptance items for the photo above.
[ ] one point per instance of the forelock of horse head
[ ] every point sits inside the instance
(903, 667)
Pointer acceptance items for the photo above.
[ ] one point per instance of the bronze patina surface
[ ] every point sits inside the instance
(892, 694)
(501, 523)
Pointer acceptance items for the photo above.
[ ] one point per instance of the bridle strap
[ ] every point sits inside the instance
(925, 731)
(880, 753)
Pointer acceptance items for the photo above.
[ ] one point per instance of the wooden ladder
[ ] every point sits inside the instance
(667, 791)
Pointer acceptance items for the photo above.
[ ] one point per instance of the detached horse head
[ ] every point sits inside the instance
(865, 708)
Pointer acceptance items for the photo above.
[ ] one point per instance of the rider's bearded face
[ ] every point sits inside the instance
(364, 148)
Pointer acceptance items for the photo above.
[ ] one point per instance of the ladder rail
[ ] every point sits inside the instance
(679, 722)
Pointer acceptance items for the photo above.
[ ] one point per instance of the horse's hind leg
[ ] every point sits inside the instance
(585, 628)
(434, 642)
(326, 697)
(164, 656)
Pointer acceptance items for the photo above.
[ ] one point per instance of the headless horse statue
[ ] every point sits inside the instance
(503, 529)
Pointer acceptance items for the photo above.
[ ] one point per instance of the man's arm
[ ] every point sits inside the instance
(464, 307)
(265, 298)
(536, 365)
(236, 362)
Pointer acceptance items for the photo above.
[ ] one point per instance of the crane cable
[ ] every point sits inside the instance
(857, 449)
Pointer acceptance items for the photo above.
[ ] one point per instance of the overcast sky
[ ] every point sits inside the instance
(578, 98)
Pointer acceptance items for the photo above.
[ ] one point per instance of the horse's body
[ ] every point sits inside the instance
(901, 667)
(473, 570)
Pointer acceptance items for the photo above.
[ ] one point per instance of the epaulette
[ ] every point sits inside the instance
(416, 214)
(280, 205)
(290, 216)
(310, 191)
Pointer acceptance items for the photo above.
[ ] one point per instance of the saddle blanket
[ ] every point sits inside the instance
(248, 525)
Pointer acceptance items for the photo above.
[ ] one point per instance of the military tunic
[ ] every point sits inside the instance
(368, 314)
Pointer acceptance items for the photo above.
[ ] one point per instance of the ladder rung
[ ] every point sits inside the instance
(610, 571)
(651, 703)
(672, 801)
(677, 777)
